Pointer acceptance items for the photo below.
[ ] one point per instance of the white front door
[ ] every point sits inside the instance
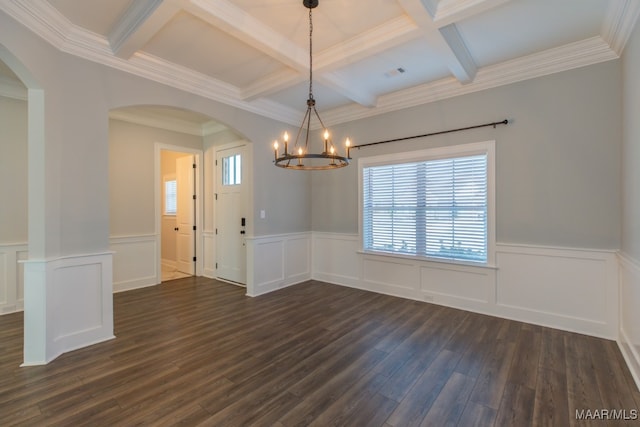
(185, 214)
(231, 202)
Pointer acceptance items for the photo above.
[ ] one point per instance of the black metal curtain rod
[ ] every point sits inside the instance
(494, 124)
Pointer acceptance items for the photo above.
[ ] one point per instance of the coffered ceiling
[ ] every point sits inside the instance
(370, 56)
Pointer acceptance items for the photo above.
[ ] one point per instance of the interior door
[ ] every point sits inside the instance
(231, 214)
(185, 214)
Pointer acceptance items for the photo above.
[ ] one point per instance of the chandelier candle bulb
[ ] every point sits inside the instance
(275, 149)
(347, 144)
(286, 143)
(326, 140)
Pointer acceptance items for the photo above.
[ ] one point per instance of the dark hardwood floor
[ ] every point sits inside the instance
(196, 351)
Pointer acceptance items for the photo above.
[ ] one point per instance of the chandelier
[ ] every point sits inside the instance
(301, 157)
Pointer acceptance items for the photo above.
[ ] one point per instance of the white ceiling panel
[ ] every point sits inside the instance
(97, 16)
(334, 21)
(191, 42)
(296, 97)
(398, 68)
(523, 27)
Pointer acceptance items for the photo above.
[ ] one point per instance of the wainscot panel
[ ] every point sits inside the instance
(11, 277)
(570, 289)
(629, 337)
(277, 261)
(336, 258)
(458, 284)
(135, 261)
(68, 305)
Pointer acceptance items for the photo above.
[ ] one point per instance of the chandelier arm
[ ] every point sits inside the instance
(306, 141)
(306, 117)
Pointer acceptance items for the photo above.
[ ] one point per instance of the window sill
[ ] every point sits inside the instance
(426, 260)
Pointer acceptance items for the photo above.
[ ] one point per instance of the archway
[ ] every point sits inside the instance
(137, 137)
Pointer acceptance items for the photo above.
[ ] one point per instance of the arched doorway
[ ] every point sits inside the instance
(138, 137)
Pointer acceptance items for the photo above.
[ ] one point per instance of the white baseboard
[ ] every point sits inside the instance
(629, 335)
(564, 288)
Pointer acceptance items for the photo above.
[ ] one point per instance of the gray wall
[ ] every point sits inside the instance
(13, 170)
(131, 174)
(631, 148)
(558, 161)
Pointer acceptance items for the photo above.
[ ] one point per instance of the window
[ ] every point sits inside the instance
(170, 197)
(232, 170)
(432, 204)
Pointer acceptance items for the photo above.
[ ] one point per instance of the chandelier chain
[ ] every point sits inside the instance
(310, 54)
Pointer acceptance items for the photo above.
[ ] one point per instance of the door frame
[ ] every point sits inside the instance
(247, 165)
(199, 186)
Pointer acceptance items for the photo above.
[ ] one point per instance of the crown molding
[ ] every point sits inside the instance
(11, 88)
(563, 58)
(272, 83)
(46, 22)
(50, 25)
(40, 18)
(212, 127)
(160, 121)
(619, 22)
(157, 121)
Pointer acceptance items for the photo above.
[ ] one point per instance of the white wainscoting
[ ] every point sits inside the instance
(68, 305)
(570, 289)
(277, 261)
(209, 255)
(12, 277)
(629, 337)
(135, 261)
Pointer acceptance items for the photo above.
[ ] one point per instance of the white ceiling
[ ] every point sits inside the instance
(253, 54)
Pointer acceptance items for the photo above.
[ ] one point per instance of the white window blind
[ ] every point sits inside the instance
(434, 208)
(170, 197)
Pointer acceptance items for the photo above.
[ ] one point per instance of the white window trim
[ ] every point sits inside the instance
(486, 147)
